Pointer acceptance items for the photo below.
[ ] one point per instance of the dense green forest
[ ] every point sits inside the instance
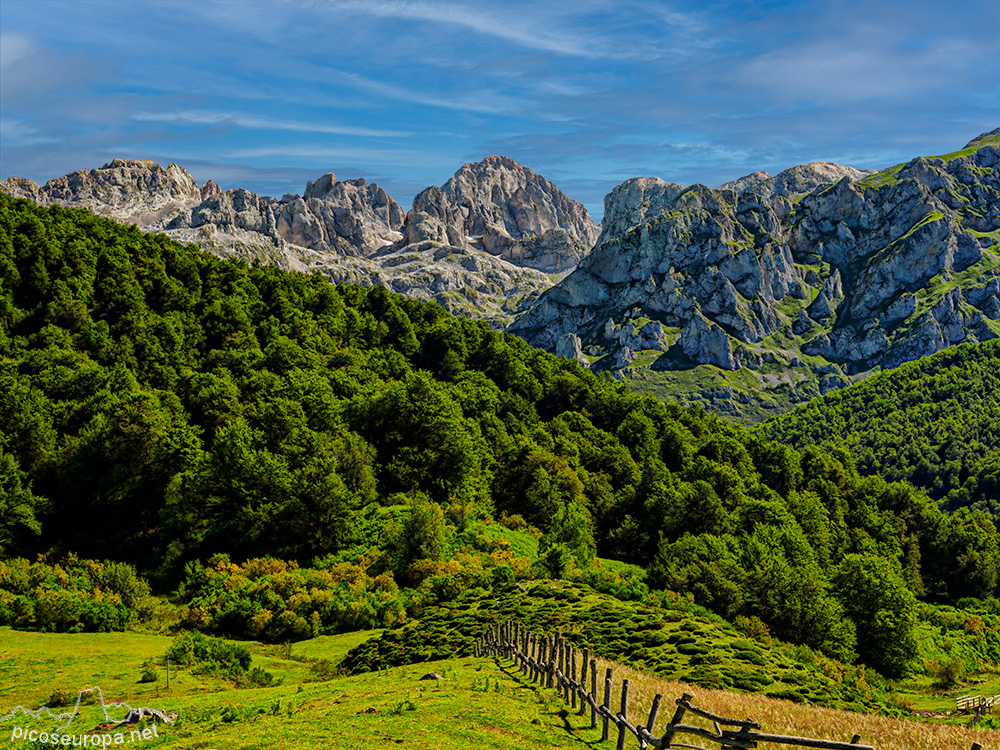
(934, 423)
(167, 408)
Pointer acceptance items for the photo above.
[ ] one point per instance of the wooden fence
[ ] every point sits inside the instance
(553, 663)
(976, 703)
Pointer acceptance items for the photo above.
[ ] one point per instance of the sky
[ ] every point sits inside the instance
(269, 94)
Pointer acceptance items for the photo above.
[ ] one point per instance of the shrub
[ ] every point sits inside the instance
(211, 655)
(149, 673)
(60, 697)
(277, 601)
(71, 595)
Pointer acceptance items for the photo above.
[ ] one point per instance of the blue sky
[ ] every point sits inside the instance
(269, 94)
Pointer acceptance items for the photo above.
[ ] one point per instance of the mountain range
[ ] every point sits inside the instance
(479, 245)
(748, 298)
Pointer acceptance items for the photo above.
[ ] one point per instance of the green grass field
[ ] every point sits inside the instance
(477, 703)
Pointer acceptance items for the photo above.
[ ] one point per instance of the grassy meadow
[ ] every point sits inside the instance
(478, 702)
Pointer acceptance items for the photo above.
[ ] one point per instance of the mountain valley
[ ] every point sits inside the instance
(748, 299)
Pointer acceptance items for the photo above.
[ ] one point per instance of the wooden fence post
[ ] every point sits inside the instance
(562, 654)
(550, 673)
(572, 676)
(567, 672)
(593, 692)
(607, 703)
(652, 713)
(668, 736)
(623, 715)
(541, 660)
(583, 679)
(543, 645)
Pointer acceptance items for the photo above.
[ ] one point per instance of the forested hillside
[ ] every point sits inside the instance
(934, 423)
(160, 406)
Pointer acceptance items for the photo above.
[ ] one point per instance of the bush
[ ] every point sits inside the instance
(149, 673)
(210, 655)
(258, 677)
(72, 595)
(277, 601)
(947, 675)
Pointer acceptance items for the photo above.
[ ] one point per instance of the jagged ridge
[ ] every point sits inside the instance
(860, 271)
(479, 245)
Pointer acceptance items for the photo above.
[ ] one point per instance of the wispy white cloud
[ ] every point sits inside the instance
(20, 133)
(867, 64)
(520, 25)
(481, 100)
(14, 46)
(235, 119)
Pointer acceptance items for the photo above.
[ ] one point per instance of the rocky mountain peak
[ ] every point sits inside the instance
(141, 192)
(506, 209)
(631, 202)
(823, 270)
(991, 136)
(321, 187)
(352, 217)
(795, 181)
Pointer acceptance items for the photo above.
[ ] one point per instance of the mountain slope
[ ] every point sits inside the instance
(805, 287)
(162, 405)
(480, 245)
(934, 423)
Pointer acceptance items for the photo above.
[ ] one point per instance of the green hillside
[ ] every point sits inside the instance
(293, 458)
(478, 702)
(934, 423)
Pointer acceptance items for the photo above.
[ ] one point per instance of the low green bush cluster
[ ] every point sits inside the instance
(207, 655)
(71, 595)
(665, 633)
(275, 600)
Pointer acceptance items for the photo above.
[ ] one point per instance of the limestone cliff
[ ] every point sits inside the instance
(501, 207)
(820, 274)
(475, 245)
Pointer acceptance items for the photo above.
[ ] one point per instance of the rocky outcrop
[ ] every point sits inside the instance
(474, 245)
(569, 346)
(862, 269)
(630, 203)
(702, 257)
(796, 181)
(348, 218)
(139, 192)
(706, 342)
(501, 207)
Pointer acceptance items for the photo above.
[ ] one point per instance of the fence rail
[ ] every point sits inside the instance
(551, 662)
(976, 703)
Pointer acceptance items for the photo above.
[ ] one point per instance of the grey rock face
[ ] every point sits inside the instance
(622, 357)
(702, 257)
(825, 305)
(828, 260)
(630, 203)
(353, 231)
(125, 189)
(569, 346)
(796, 181)
(706, 342)
(347, 218)
(501, 207)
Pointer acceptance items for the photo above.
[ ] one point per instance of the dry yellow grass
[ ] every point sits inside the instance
(784, 717)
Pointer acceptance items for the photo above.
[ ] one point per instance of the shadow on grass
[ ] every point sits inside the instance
(568, 716)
